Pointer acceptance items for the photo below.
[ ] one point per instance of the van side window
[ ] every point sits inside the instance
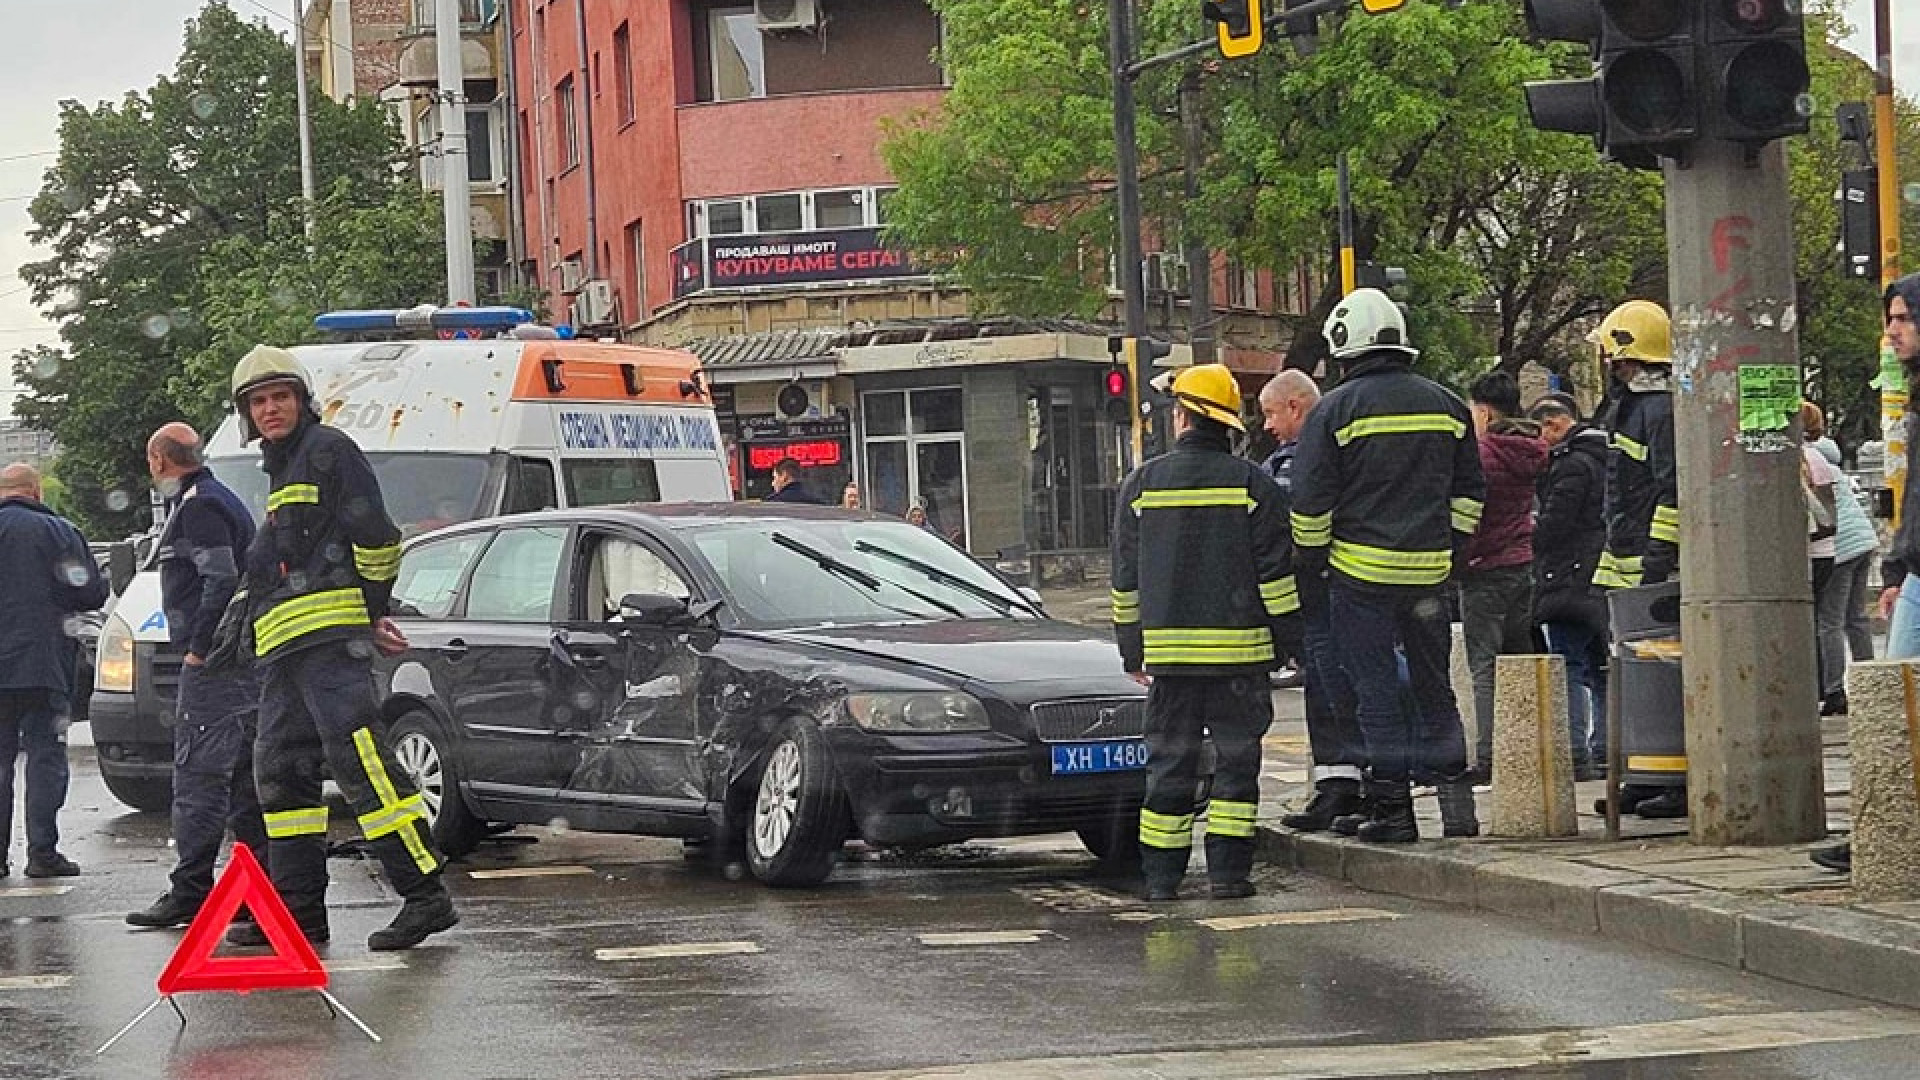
(610, 481)
(530, 487)
(430, 575)
(618, 567)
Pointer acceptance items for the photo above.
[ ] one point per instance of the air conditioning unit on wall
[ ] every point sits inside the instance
(572, 276)
(787, 14)
(594, 304)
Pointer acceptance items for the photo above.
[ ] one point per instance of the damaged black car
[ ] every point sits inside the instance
(767, 680)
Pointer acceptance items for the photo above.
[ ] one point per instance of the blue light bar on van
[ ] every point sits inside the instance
(477, 321)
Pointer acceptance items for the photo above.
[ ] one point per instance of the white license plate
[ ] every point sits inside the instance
(1111, 755)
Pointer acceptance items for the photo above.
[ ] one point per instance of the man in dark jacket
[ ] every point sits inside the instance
(1568, 534)
(319, 581)
(1496, 587)
(50, 577)
(208, 531)
(1203, 598)
(790, 484)
(1387, 491)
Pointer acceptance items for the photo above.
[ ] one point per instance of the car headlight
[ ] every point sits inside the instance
(113, 667)
(918, 713)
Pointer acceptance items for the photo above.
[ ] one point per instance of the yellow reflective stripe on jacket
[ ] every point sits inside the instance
(1226, 817)
(1617, 571)
(305, 614)
(1380, 566)
(1176, 645)
(1165, 831)
(1466, 514)
(377, 564)
(309, 821)
(406, 822)
(1312, 530)
(1666, 524)
(1635, 450)
(1184, 498)
(1126, 606)
(1207, 655)
(1405, 424)
(293, 493)
(1281, 597)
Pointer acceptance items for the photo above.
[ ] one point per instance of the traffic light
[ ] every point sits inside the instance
(1302, 30)
(1239, 24)
(1641, 99)
(1860, 223)
(1372, 275)
(1381, 7)
(1757, 69)
(1119, 395)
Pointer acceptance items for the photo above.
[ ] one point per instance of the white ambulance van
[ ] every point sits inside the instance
(511, 420)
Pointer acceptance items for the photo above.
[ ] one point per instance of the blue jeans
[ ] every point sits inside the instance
(1903, 629)
(1585, 651)
(1375, 631)
(34, 721)
(1333, 727)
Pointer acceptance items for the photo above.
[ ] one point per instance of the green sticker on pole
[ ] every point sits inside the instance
(1769, 401)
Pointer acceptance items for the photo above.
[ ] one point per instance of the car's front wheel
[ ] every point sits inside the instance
(153, 795)
(1115, 841)
(424, 754)
(799, 812)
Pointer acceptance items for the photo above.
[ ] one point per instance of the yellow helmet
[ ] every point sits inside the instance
(1636, 330)
(1212, 391)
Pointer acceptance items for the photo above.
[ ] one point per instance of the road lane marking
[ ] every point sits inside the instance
(355, 967)
(34, 982)
(985, 937)
(1565, 1048)
(684, 949)
(1296, 918)
(25, 891)
(529, 871)
(1141, 916)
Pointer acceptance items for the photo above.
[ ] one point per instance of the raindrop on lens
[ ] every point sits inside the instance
(560, 824)
(1911, 192)
(156, 327)
(118, 501)
(585, 700)
(72, 573)
(47, 365)
(298, 581)
(360, 650)
(203, 104)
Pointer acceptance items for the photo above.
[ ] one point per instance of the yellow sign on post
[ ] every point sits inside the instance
(1246, 44)
(1381, 7)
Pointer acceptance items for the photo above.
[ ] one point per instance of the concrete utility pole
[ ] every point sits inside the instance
(305, 115)
(1200, 321)
(455, 193)
(1753, 732)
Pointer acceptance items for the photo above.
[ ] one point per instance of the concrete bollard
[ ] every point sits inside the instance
(1532, 761)
(1883, 723)
(1461, 676)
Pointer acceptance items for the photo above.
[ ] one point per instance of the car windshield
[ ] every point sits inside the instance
(422, 491)
(807, 573)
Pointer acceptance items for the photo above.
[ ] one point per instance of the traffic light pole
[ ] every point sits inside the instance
(1127, 167)
(1893, 385)
(1752, 729)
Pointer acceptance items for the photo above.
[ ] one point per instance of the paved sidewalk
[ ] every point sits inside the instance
(1765, 910)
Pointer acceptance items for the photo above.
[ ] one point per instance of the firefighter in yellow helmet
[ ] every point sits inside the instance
(1203, 590)
(319, 577)
(1643, 486)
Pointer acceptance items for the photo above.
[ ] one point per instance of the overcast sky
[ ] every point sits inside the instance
(95, 50)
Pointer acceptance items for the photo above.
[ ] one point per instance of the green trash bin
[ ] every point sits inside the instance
(1646, 645)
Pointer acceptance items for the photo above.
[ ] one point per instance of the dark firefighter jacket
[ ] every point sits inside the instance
(1643, 495)
(1202, 578)
(1387, 487)
(208, 532)
(322, 567)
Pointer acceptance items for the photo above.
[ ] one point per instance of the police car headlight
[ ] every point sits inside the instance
(918, 713)
(113, 666)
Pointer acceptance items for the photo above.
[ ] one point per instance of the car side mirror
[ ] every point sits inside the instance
(653, 609)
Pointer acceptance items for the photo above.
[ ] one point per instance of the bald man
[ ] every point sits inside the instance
(215, 715)
(50, 576)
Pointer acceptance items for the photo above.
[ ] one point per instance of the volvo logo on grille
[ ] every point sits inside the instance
(1103, 720)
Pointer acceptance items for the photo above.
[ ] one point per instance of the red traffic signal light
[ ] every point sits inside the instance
(1116, 383)
(1119, 399)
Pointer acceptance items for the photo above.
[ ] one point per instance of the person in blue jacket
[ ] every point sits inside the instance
(50, 577)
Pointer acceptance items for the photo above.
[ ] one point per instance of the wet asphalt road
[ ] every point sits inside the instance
(1082, 982)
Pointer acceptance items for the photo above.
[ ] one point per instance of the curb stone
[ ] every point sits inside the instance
(1846, 951)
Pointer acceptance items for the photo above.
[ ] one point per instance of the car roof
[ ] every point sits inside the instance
(675, 516)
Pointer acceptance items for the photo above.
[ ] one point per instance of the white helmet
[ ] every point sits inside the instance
(1366, 320)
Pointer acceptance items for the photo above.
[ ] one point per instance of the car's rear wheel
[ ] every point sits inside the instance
(798, 821)
(425, 755)
(155, 796)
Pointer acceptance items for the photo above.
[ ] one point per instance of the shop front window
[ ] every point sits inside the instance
(916, 453)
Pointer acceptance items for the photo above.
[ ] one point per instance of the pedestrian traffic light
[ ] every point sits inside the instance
(1119, 395)
(1757, 69)
(1641, 100)
(1239, 25)
(1860, 223)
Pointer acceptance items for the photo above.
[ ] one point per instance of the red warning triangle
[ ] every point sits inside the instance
(293, 964)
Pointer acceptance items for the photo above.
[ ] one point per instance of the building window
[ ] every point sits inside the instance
(472, 12)
(1243, 286)
(779, 213)
(839, 209)
(916, 452)
(623, 72)
(790, 211)
(637, 251)
(739, 62)
(485, 133)
(565, 115)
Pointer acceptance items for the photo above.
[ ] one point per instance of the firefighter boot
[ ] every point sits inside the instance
(1163, 868)
(427, 909)
(1229, 864)
(1349, 824)
(1391, 820)
(1456, 808)
(1331, 799)
(298, 866)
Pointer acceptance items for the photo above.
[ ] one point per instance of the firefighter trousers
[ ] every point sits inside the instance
(317, 706)
(213, 733)
(1182, 710)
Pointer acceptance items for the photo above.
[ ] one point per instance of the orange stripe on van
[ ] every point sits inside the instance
(592, 371)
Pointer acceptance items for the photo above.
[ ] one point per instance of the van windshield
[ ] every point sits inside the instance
(422, 491)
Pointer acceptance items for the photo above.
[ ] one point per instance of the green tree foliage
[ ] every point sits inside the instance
(154, 204)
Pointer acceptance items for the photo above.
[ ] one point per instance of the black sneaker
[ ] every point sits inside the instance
(417, 921)
(53, 865)
(1838, 858)
(171, 909)
(1671, 803)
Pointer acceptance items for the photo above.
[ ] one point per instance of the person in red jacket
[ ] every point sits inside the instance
(1496, 584)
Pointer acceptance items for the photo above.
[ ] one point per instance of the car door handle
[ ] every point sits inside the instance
(455, 649)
